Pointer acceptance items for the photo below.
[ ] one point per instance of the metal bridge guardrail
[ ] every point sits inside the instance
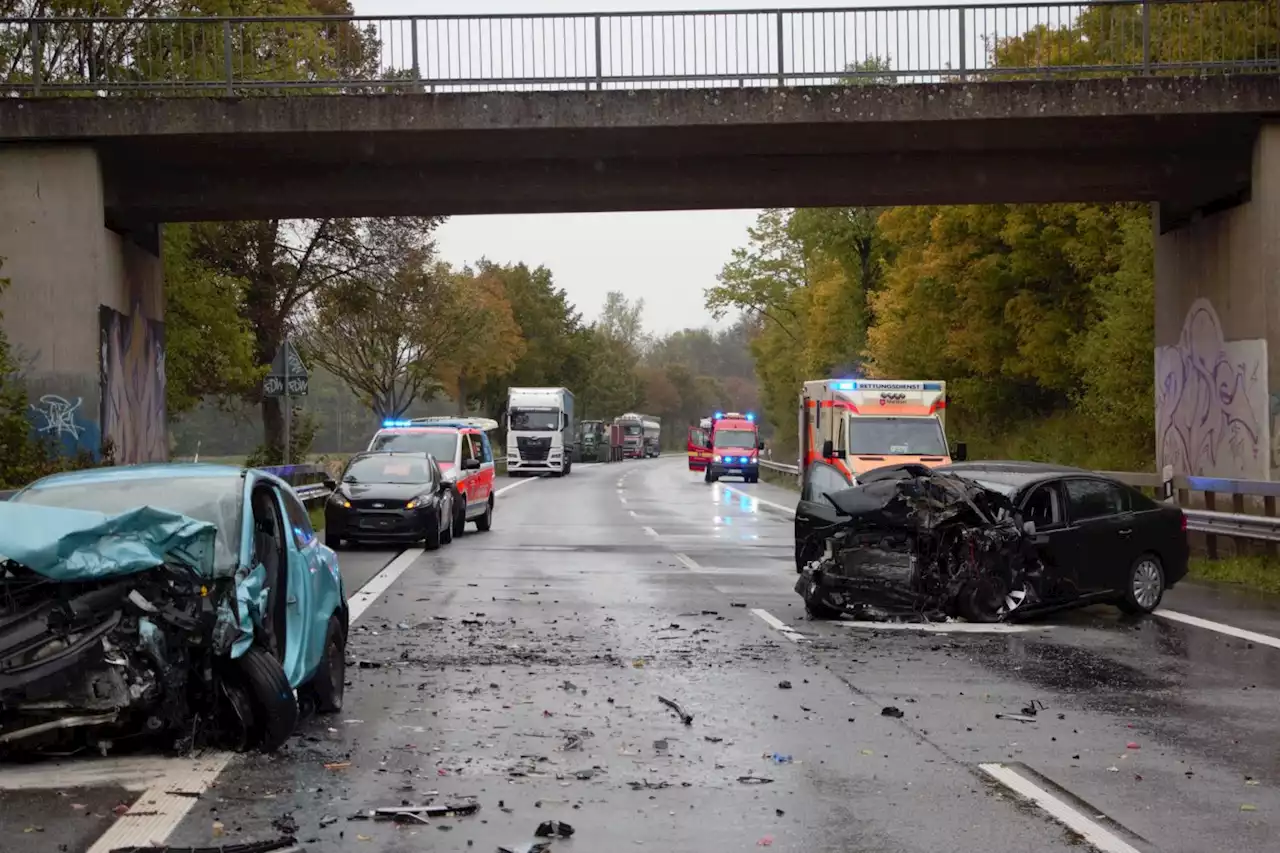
(634, 50)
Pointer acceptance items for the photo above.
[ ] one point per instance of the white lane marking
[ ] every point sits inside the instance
(624, 500)
(1230, 631)
(517, 484)
(943, 627)
(779, 626)
(788, 510)
(1100, 837)
(131, 774)
(689, 562)
(634, 514)
(381, 582)
(650, 531)
(159, 810)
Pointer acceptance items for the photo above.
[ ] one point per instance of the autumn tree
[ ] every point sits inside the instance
(287, 264)
(492, 345)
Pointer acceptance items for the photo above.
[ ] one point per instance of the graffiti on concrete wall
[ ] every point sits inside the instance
(1212, 407)
(133, 386)
(62, 421)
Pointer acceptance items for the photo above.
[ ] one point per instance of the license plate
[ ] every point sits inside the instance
(377, 523)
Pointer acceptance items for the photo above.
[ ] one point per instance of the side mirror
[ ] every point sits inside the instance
(962, 452)
(760, 445)
(444, 486)
(828, 449)
(470, 464)
(330, 484)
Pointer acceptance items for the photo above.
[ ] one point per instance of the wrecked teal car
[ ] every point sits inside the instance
(188, 603)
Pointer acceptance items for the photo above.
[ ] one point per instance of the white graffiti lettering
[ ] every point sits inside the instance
(59, 416)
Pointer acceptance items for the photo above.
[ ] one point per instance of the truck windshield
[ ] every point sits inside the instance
(633, 429)
(870, 436)
(735, 438)
(537, 421)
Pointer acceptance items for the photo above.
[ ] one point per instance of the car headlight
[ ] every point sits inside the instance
(340, 500)
(716, 458)
(417, 502)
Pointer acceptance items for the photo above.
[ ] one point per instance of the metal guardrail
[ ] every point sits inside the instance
(633, 50)
(1236, 525)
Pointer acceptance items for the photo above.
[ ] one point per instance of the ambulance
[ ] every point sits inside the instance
(850, 426)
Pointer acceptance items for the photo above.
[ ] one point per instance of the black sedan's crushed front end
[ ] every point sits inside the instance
(915, 544)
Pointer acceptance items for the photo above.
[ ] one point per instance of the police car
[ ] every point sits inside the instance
(461, 448)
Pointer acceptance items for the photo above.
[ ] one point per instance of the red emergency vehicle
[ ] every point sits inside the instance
(733, 446)
(699, 445)
(461, 449)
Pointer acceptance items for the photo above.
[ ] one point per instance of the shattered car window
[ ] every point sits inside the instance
(1095, 498)
(873, 436)
(212, 499)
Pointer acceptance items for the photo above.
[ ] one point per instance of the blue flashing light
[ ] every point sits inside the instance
(845, 386)
(718, 415)
(744, 459)
(751, 417)
(394, 424)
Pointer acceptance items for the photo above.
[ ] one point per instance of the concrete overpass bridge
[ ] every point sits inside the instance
(114, 127)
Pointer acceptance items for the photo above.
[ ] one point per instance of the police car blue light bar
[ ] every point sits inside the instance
(719, 415)
(392, 424)
(751, 417)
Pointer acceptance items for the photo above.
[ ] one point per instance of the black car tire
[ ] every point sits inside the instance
(446, 535)
(432, 540)
(275, 709)
(327, 686)
(485, 522)
(1150, 566)
(460, 519)
(333, 542)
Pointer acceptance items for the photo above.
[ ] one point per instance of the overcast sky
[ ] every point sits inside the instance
(666, 258)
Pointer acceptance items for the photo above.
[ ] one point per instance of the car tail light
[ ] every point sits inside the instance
(1184, 521)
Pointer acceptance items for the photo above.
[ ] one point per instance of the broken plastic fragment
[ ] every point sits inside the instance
(685, 717)
(891, 711)
(553, 828)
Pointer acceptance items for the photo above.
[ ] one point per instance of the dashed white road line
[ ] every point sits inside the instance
(789, 511)
(621, 498)
(1099, 836)
(650, 531)
(943, 627)
(1238, 633)
(634, 514)
(779, 626)
(162, 806)
(689, 562)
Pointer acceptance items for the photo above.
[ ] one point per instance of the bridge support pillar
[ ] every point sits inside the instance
(84, 308)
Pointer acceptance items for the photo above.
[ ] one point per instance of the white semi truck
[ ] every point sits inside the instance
(541, 431)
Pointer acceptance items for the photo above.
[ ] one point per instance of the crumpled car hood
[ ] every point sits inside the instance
(80, 545)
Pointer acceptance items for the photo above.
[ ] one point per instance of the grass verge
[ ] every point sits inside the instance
(316, 513)
(1259, 574)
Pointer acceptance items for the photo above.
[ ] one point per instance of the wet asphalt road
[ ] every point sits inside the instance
(523, 667)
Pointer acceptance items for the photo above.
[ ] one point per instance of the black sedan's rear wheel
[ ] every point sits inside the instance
(1145, 586)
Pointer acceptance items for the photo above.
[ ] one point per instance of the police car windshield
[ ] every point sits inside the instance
(734, 438)
(523, 419)
(388, 469)
(869, 436)
(439, 444)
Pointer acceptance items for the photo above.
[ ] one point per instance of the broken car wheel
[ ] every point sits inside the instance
(981, 602)
(275, 710)
(327, 685)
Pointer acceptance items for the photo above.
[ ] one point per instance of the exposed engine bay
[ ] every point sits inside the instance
(916, 544)
(113, 659)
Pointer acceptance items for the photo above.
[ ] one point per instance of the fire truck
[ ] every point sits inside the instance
(727, 443)
(850, 426)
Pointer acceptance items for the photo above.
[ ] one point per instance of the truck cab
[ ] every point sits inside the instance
(541, 431)
(734, 446)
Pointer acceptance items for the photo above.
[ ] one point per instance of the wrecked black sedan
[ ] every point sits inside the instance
(984, 542)
(204, 622)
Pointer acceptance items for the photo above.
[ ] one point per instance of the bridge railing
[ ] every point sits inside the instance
(636, 50)
(1251, 503)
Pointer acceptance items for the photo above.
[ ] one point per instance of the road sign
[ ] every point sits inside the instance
(288, 375)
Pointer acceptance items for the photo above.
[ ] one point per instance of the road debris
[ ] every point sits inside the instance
(552, 829)
(526, 847)
(416, 814)
(755, 780)
(784, 685)
(286, 844)
(685, 716)
(1020, 718)
(891, 711)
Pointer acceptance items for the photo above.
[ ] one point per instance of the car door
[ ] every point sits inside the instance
(1057, 540)
(815, 512)
(698, 447)
(313, 589)
(1100, 510)
(487, 470)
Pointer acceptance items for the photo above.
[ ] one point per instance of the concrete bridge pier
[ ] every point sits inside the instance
(84, 309)
(1217, 331)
